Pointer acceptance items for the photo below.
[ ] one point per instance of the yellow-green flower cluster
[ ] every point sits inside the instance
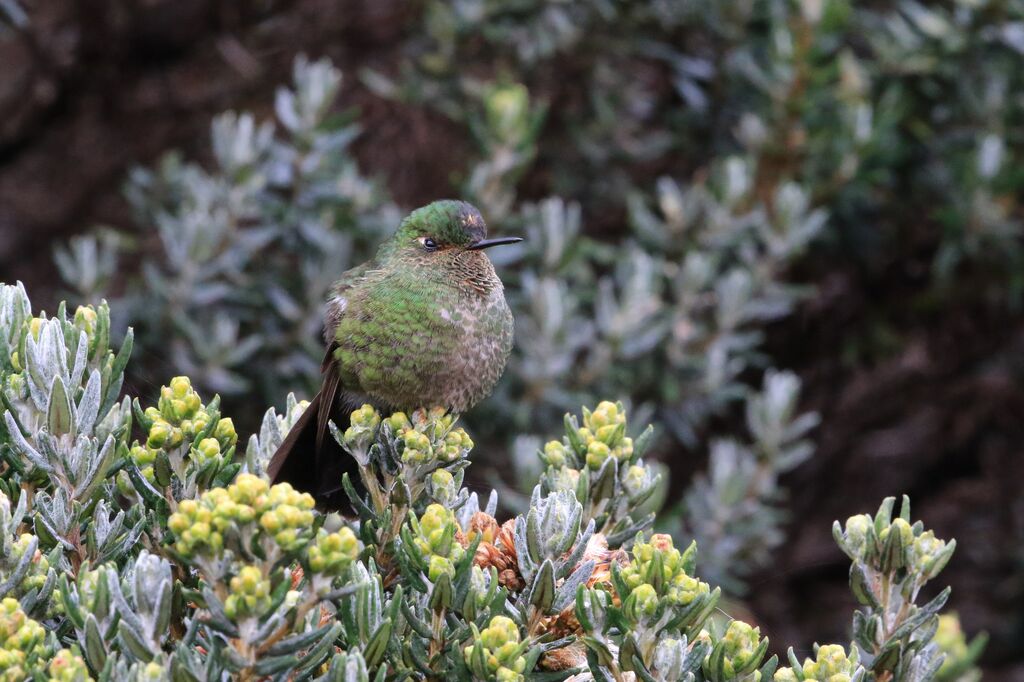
(68, 666)
(36, 576)
(332, 553)
(363, 427)
(282, 512)
(604, 434)
(442, 486)
(497, 653)
(22, 642)
(250, 594)
(927, 554)
(434, 537)
(950, 639)
(900, 527)
(831, 664)
(178, 418)
(740, 642)
(676, 587)
(429, 437)
(857, 531)
(85, 320)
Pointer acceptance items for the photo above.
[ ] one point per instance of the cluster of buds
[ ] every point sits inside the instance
(603, 467)
(22, 641)
(888, 546)
(658, 574)
(279, 512)
(38, 566)
(602, 435)
(892, 559)
(250, 594)
(362, 429)
(497, 652)
(18, 574)
(960, 655)
(830, 664)
(68, 666)
(181, 429)
(331, 554)
(429, 437)
(435, 536)
(25, 650)
(737, 654)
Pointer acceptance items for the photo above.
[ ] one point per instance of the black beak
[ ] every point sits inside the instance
(488, 243)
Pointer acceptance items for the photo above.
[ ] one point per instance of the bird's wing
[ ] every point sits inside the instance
(328, 394)
(337, 304)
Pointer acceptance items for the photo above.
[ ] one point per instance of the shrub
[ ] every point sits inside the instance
(139, 543)
(246, 251)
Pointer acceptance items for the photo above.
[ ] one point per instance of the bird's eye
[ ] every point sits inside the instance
(429, 244)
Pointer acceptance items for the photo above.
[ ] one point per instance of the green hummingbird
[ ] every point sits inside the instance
(423, 324)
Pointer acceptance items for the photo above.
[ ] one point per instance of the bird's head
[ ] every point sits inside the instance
(444, 227)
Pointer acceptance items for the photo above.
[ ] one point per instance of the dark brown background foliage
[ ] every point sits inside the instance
(919, 388)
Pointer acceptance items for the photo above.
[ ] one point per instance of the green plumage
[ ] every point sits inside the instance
(424, 324)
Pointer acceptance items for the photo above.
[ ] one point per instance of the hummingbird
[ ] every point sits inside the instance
(423, 324)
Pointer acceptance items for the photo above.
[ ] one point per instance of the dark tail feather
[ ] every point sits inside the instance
(312, 463)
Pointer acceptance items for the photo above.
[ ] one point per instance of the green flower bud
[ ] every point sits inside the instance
(606, 434)
(417, 447)
(159, 434)
(857, 529)
(831, 661)
(85, 320)
(68, 666)
(442, 486)
(224, 432)
(678, 588)
(605, 414)
(180, 387)
(636, 480)
(500, 631)
(597, 454)
(250, 594)
(642, 602)
(901, 527)
(949, 637)
(366, 417)
(250, 489)
(22, 641)
(927, 554)
(740, 643)
(207, 450)
(785, 675)
(554, 454)
(439, 566)
(332, 553)
(399, 422)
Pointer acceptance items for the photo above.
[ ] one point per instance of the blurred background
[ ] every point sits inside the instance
(788, 233)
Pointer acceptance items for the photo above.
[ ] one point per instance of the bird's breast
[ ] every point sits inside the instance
(433, 346)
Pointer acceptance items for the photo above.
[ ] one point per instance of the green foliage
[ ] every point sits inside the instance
(166, 560)
(669, 318)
